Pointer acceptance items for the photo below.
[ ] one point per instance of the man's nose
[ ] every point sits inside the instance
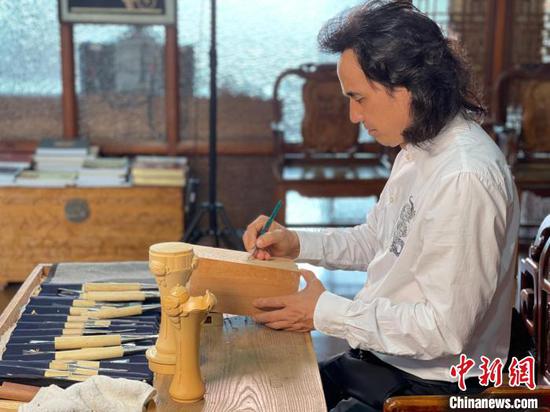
(355, 114)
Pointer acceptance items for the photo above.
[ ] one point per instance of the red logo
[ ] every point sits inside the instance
(522, 371)
(462, 369)
(491, 371)
(519, 372)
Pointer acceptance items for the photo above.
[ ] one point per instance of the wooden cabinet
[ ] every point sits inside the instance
(84, 224)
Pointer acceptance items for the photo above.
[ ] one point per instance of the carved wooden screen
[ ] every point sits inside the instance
(466, 21)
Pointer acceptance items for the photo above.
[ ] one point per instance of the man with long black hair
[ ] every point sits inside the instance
(438, 246)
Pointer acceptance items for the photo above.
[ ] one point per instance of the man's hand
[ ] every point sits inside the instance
(292, 312)
(277, 242)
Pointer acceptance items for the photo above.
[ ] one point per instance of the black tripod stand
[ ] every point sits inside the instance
(213, 208)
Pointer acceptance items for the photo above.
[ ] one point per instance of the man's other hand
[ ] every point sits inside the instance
(292, 312)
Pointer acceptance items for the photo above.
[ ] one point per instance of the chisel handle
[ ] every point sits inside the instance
(78, 311)
(52, 373)
(72, 332)
(59, 365)
(109, 313)
(77, 342)
(76, 318)
(114, 296)
(110, 287)
(83, 303)
(18, 392)
(91, 353)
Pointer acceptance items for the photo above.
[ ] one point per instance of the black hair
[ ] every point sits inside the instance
(398, 46)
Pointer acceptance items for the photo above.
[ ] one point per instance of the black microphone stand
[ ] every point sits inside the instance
(213, 208)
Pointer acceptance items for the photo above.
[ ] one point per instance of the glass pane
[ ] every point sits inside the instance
(322, 211)
(30, 80)
(120, 81)
(256, 42)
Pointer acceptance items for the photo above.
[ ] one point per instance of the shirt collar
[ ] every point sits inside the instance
(440, 142)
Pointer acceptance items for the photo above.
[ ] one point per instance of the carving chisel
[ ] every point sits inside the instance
(117, 286)
(53, 288)
(110, 296)
(108, 352)
(55, 300)
(78, 329)
(101, 312)
(82, 318)
(33, 321)
(78, 342)
(90, 365)
(97, 323)
(26, 333)
(19, 370)
(52, 334)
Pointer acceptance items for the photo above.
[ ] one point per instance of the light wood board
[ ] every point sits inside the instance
(236, 281)
(248, 367)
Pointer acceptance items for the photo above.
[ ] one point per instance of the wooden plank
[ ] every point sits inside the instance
(250, 367)
(12, 313)
(122, 224)
(237, 281)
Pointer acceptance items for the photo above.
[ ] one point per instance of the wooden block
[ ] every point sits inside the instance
(237, 281)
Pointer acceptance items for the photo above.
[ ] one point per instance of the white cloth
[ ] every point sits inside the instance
(439, 247)
(97, 394)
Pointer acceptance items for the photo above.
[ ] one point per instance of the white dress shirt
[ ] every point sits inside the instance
(439, 248)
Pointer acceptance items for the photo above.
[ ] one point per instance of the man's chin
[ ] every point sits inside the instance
(387, 142)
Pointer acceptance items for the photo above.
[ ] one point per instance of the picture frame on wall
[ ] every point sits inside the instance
(161, 12)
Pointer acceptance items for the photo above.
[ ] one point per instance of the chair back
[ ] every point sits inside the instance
(527, 87)
(540, 253)
(534, 298)
(325, 127)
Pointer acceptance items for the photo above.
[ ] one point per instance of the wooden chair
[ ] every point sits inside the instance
(525, 142)
(539, 262)
(534, 290)
(328, 161)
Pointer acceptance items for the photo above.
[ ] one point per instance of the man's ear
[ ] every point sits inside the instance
(402, 96)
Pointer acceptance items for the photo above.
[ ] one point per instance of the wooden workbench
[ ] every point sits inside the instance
(245, 366)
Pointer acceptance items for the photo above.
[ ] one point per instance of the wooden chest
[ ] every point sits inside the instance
(84, 224)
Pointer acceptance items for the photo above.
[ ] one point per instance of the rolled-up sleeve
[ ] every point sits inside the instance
(456, 265)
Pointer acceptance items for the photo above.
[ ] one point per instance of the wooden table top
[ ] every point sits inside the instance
(245, 366)
(249, 367)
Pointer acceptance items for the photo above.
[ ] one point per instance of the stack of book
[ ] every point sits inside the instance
(8, 175)
(16, 159)
(105, 171)
(57, 155)
(36, 178)
(11, 164)
(159, 171)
